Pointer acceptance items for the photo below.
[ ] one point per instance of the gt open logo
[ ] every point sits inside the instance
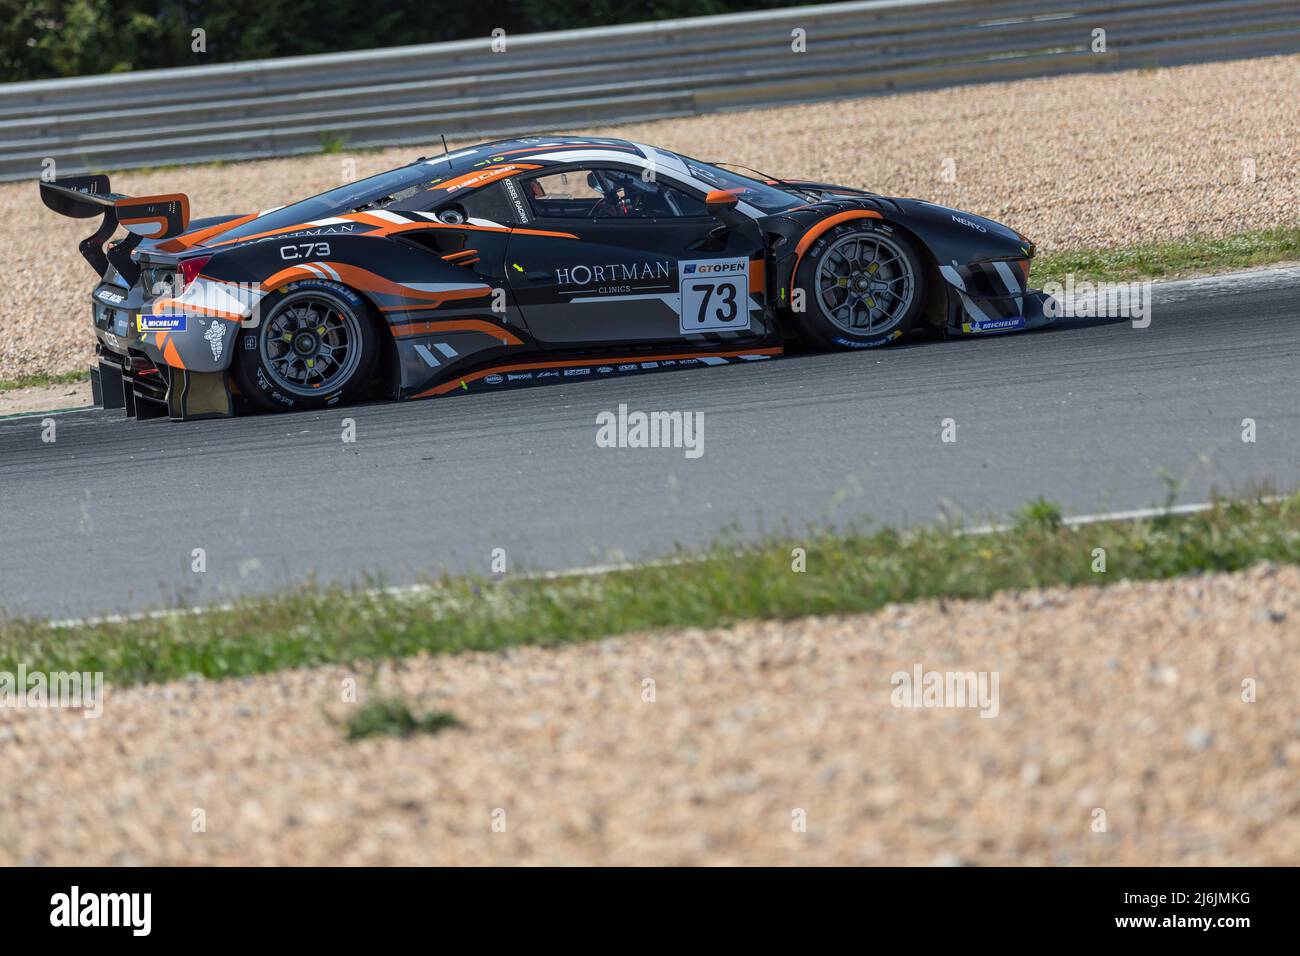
(713, 268)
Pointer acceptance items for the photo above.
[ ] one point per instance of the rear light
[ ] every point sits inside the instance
(190, 269)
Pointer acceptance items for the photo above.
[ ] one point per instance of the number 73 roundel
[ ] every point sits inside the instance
(714, 295)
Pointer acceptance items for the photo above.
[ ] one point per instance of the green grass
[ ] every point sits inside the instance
(392, 717)
(1040, 513)
(846, 573)
(42, 378)
(332, 142)
(1167, 260)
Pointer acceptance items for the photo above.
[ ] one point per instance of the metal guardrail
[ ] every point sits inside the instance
(578, 78)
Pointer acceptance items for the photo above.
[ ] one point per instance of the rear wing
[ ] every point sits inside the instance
(144, 217)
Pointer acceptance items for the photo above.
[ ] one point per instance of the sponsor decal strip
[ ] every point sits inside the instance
(592, 362)
(159, 323)
(484, 176)
(1010, 324)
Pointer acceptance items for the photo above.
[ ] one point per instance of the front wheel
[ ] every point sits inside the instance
(315, 347)
(860, 285)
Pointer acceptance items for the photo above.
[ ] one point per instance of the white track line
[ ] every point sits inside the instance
(53, 411)
(596, 570)
(1137, 514)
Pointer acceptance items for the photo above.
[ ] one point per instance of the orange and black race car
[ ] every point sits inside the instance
(516, 263)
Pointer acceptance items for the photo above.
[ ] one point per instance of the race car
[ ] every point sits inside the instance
(516, 263)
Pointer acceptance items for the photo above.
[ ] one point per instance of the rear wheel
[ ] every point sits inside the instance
(316, 346)
(861, 287)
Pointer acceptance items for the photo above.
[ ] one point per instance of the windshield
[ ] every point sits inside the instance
(373, 192)
(757, 194)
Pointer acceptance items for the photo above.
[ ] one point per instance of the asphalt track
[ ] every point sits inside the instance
(1095, 415)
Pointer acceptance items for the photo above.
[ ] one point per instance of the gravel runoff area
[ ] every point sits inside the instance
(1074, 161)
(40, 398)
(1120, 733)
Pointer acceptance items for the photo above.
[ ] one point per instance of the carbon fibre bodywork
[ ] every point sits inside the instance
(480, 277)
(978, 269)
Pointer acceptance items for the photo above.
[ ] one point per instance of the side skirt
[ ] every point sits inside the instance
(521, 374)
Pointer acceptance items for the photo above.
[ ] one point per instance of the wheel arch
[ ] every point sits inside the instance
(355, 300)
(795, 232)
(386, 371)
(934, 290)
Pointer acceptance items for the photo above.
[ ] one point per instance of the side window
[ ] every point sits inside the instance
(603, 193)
(572, 194)
(489, 202)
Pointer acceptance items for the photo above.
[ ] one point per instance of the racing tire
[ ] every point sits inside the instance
(315, 347)
(861, 287)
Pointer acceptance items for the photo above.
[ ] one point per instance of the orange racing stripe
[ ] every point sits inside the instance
(171, 356)
(286, 231)
(181, 243)
(830, 222)
(408, 329)
(484, 176)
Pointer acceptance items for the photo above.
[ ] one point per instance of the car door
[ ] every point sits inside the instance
(613, 258)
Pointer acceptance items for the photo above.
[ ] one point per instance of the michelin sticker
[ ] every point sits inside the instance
(160, 323)
(214, 335)
(714, 295)
(995, 325)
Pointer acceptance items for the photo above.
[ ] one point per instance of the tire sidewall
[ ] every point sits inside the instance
(255, 379)
(815, 324)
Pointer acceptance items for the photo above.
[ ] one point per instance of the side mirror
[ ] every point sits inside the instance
(719, 201)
